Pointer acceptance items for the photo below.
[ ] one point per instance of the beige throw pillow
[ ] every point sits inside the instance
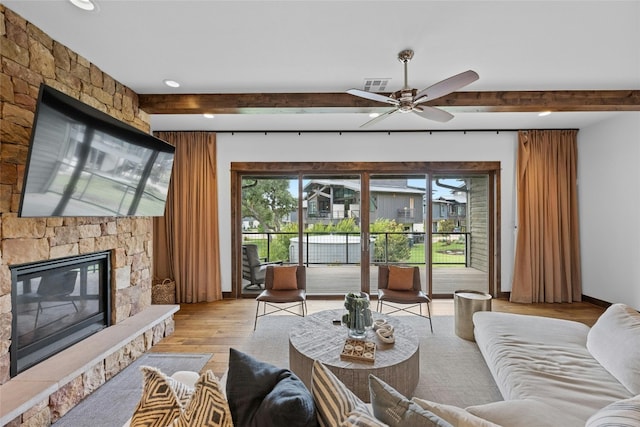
(453, 415)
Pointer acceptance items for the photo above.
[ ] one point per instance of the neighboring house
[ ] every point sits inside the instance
(453, 208)
(330, 201)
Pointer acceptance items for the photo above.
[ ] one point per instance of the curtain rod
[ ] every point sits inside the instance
(430, 131)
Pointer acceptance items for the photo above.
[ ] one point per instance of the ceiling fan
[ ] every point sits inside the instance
(408, 99)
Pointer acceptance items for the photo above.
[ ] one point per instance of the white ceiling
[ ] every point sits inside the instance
(330, 46)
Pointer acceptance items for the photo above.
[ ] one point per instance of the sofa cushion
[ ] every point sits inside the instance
(261, 394)
(523, 413)
(455, 416)
(393, 408)
(623, 413)
(162, 400)
(334, 401)
(207, 406)
(614, 341)
(545, 359)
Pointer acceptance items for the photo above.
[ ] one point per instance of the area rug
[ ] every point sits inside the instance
(452, 370)
(113, 403)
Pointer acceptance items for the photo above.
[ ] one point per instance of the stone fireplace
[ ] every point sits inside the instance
(41, 394)
(57, 303)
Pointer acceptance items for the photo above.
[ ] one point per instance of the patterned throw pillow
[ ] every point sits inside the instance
(207, 407)
(623, 413)
(334, 401)
(400, 278)
(393, 408)
(285, 278)
(162, 399)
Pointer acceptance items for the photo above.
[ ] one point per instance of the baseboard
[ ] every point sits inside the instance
(595, 301)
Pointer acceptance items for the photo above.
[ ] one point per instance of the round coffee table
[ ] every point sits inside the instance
(315, 337)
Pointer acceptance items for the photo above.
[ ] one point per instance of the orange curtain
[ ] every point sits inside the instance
(186, 244)
(547, 261)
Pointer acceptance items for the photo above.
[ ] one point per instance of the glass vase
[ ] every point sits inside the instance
(357, 317)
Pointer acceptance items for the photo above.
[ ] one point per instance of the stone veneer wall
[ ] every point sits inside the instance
(28, 58)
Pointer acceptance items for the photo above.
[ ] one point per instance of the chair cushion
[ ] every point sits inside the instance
(284, 278)
(261, 394)
(400, 278)
(394, 409)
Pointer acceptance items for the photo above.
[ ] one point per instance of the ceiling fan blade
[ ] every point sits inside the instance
(379, 118)
(433, 113)
(446, 86)
(372, 96)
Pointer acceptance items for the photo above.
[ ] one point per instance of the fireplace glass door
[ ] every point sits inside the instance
(57, 304)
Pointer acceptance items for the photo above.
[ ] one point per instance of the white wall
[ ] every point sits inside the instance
(609, 200)
(368, 147)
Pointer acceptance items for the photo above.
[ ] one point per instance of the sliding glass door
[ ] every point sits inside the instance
(343, 223)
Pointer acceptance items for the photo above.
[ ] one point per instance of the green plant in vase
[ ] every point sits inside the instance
(357, 317)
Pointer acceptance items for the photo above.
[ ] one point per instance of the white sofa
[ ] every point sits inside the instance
(558, 372)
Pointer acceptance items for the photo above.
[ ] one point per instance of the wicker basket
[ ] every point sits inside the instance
(163, 292)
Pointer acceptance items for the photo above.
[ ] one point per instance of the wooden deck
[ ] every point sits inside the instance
(338, 280)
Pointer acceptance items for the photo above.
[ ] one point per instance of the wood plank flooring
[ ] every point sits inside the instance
(216, 326)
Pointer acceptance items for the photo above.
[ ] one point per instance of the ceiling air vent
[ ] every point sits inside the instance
(376, 85)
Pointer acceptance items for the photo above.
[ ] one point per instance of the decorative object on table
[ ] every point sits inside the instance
(378, 323)
(385, 333)
(163, 292)
(358, 315)
(358, 350)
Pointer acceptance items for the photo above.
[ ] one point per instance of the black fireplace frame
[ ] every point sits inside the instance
(70, 335)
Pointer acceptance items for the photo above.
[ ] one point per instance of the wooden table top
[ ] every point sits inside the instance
(317, 338)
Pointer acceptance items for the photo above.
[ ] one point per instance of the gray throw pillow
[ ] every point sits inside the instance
(394, 409)
(263, 395)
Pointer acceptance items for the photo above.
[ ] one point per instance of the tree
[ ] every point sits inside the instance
(393, 247)
(268, 201)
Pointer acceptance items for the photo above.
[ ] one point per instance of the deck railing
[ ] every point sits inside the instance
(345, 247)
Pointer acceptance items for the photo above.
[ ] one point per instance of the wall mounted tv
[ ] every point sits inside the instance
(83, 162)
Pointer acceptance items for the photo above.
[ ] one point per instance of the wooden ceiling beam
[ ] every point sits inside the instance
(505, 101)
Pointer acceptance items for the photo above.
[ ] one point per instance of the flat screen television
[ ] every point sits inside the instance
(83, 162)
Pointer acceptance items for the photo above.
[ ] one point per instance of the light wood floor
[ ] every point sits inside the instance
(214, 327)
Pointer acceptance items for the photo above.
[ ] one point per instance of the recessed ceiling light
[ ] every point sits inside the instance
(208, 115)
(373, 115)
(84, 4)
(544, 113)
(171, 83)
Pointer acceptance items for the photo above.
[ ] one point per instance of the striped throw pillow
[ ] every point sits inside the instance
(334, 401)
(362, 419)
(623, 413)
(208, 406)
(162, 399)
